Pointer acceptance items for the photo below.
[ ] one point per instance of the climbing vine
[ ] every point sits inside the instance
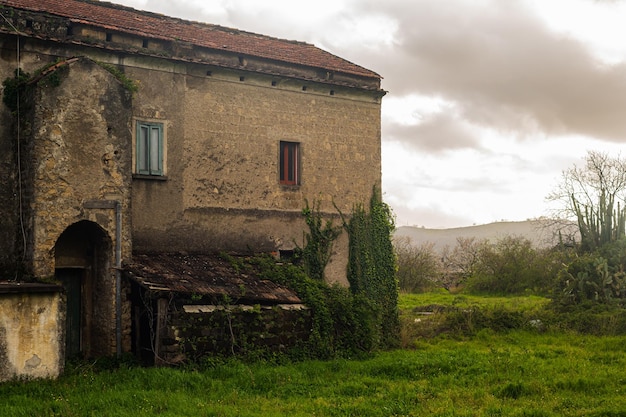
(128, 83)
(14, 88)
(372, 263)
(319, 241)
(343, 324)
(17, 86)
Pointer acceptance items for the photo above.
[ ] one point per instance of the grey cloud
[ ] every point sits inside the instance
(436, 132)
(503, 69)
(495, 60)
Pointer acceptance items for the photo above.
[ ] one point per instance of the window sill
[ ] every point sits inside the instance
(150, 177)
(290, 187)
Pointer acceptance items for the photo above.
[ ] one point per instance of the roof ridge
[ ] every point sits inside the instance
(115, 17)
(223, 28)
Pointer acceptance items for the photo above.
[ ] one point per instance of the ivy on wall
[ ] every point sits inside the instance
(372, 263)
(318, 241)
(370, 307)
(14, 88)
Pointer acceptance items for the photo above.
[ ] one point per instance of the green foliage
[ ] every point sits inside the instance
(469, 321)
(128, 84)
(372, 263)
(14, 88)
(419, 268)
(319, 241)
(591, 196)
(343, 324)
(513, 266)
(596, 277)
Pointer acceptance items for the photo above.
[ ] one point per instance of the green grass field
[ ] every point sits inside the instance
(514, 373)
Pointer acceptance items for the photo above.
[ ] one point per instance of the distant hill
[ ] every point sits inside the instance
(539, 232)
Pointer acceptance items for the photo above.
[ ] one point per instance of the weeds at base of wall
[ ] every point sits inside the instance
(342, 324)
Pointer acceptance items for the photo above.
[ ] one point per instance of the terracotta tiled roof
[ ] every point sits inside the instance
(151, 25)
(204, 275)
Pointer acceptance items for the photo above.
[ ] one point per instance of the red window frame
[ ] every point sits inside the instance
(289, 163)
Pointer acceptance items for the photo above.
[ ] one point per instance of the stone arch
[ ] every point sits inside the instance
(83, 264)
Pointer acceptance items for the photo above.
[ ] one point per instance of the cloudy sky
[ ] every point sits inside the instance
(488, 100)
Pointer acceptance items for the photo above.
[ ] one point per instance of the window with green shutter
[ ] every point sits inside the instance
(149, 156)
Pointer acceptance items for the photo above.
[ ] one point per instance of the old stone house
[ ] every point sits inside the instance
(142, 134)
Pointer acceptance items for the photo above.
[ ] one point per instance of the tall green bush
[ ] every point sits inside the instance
(513, 266)
(372, 263)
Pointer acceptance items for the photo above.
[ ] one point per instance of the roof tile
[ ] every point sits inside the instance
(153, 25)
(204, 275)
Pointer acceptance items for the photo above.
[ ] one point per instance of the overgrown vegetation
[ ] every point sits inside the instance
(372, 263)
(509, 265)
(319, 241)
(593, 195)
(343, 324)
(17, 87)
(476, 368)
(365, 316)
(14, 89)
(346, 322)
(128, 83)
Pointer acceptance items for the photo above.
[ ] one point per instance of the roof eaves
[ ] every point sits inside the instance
(122, 19)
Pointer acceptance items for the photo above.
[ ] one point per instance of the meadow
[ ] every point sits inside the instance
(514, 372)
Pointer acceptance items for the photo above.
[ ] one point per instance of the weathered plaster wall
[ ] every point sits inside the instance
(31, 335)
(9, 202)
(222, 132)
(80, 153)
(222, 190)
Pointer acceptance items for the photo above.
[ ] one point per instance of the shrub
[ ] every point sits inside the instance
(419, 267)
(513, 266)
(343, 324)
(597, 277)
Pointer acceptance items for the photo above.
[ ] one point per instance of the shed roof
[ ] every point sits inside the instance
(123, 19)
(207, 275)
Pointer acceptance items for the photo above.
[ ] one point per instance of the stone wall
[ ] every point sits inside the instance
(32, 320)
(77, 157)
(80, 153)
(223, 133)
(9, 191)
(198, 331)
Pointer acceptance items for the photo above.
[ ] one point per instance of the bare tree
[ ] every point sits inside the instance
(593, 196)
(460, 262)
(418, 266)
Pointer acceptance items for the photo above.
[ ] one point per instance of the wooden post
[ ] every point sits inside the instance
(161, 322)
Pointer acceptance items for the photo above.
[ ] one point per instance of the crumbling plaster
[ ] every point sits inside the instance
(80, 152)
(31, 334)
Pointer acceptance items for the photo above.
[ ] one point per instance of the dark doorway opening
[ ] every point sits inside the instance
(83, 265)
(72, 281)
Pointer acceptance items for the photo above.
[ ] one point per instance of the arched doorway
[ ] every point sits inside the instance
(83, 266)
